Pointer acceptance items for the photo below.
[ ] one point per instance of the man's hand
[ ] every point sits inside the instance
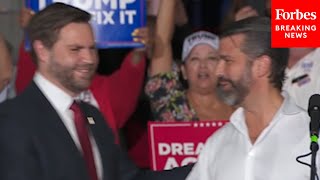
(141, 35)
(245, 12)
(25, 16)
(181, 17)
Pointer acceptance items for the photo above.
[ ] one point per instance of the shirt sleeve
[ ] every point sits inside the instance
(201, 170)
(125, 87)
(25, 69)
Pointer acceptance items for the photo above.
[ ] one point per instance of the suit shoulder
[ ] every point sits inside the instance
(10, 106)
(14, 111)
(12, 119)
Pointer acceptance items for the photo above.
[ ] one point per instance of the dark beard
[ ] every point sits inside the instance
(239, 89)
(65, 76)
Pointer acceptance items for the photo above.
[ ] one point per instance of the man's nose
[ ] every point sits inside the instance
(220, 68)
(89, 56)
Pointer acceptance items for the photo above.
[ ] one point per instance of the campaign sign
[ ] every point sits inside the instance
(113, 21)
(295, 23)
(178, 144)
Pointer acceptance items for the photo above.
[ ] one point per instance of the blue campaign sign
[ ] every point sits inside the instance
(113, 21)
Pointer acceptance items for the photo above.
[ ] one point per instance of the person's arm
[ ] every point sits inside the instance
(181, 31)
(201, 169)
(25, 69)
(141, 35)
(234, 8)
(181, 17)
(163, 82)
(121, 89)
(25, 65)
(25, 16)
(245, 12)
(6, 68)
(125, 86)
(162, 56)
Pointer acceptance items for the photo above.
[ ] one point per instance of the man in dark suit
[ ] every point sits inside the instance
(45, 133)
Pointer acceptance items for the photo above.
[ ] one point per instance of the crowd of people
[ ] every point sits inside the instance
(66, 120)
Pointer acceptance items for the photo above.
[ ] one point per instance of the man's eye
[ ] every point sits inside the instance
(75, 49)
(194, 58)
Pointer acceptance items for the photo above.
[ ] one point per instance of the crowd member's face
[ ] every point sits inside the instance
(199, 68)
(233, 71)
(72, 61)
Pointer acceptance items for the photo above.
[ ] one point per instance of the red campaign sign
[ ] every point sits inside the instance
(295, 23)
(177, 144)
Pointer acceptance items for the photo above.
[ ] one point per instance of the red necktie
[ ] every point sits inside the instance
(82, 131)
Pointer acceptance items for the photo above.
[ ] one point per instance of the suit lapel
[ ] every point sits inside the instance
(104, 138)
(49, 116)
(51, 126)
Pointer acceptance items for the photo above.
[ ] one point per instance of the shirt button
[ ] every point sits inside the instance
(251, 153)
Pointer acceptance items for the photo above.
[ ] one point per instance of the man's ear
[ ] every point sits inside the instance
(262, 66)
(183, 71)
(41, 51)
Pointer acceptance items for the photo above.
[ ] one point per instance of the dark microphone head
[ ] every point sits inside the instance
(314, 103)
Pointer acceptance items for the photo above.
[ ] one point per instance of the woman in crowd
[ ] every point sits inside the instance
(170, 101)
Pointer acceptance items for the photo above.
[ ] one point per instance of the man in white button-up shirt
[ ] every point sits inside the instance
(268, 131)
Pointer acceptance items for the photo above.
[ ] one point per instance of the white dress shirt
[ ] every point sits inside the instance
(303, 79)
(230, 155)
(4, 94)
(61, 102)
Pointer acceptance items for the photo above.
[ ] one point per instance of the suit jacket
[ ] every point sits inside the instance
(35, 144)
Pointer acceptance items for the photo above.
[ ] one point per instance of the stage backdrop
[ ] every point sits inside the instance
(113, 20)
(177, 144)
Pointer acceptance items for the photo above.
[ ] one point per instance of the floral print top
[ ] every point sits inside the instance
(168, 98)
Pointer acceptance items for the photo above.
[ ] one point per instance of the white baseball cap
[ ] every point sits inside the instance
(200, 37)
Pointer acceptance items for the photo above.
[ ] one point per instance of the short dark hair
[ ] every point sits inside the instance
(257, 42)
(47, 23)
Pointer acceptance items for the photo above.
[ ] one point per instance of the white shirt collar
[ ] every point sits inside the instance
(288, 107)
(56, 96)
(4, 93)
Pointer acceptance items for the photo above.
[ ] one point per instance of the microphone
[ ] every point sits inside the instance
(314, 113)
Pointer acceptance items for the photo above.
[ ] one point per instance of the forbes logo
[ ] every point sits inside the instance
(296, 15)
